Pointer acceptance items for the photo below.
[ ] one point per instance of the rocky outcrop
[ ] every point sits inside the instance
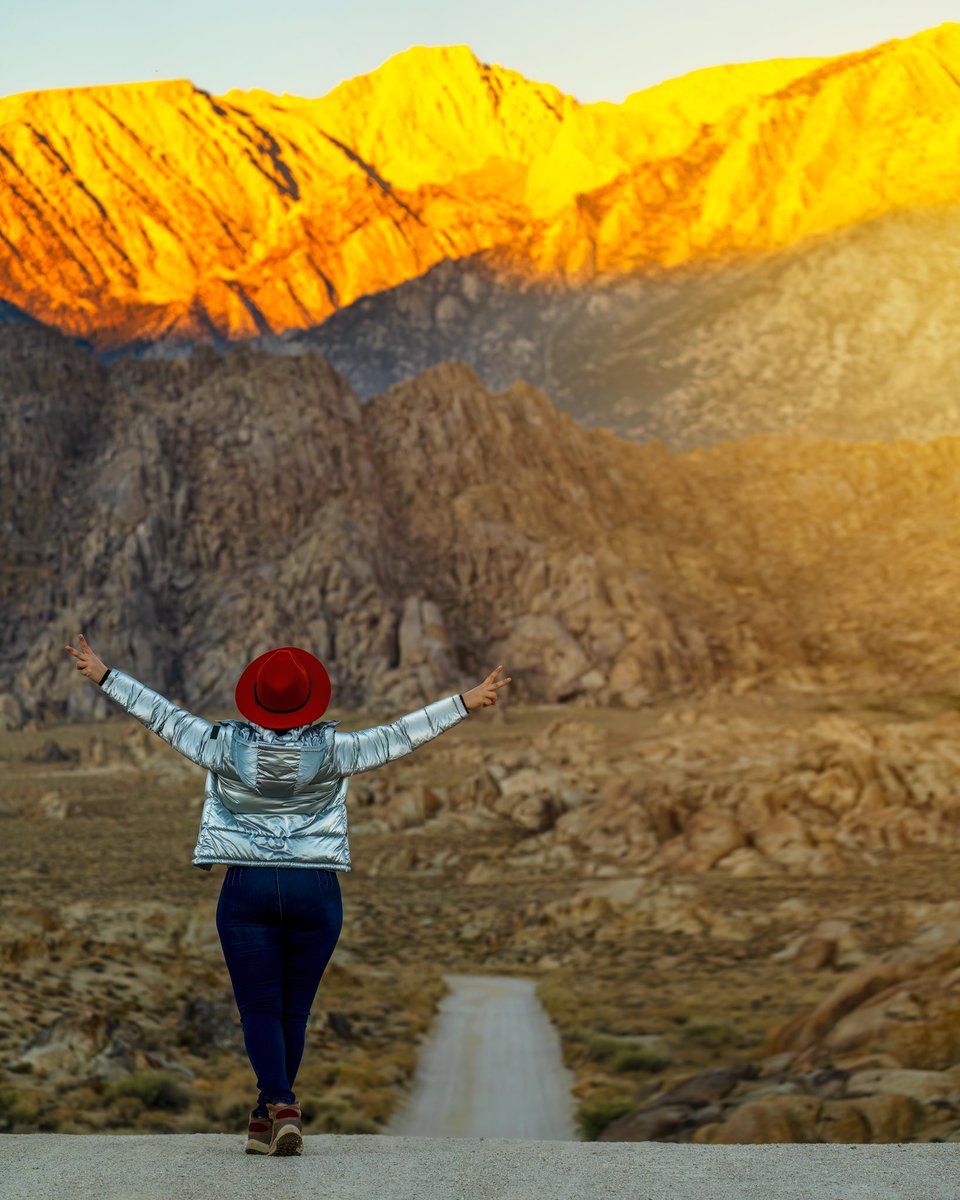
(213, 505)
(700, 798)
(873, 1062)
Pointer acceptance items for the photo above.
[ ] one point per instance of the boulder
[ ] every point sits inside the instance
(711, 834)
(646, 1124)
(410, 807)
(708, 1087)
(775, 1119)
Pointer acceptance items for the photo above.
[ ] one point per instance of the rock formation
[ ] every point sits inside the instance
(186, 512)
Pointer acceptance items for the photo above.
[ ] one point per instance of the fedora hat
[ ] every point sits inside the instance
(283, 688)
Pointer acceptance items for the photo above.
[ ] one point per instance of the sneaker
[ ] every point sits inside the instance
(259, 1134)
(287, 1129)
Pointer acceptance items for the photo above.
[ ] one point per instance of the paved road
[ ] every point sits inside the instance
(210, 1166)
(490, 1067)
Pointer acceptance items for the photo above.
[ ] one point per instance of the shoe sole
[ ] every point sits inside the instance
(287, 1142)
(258, 1148)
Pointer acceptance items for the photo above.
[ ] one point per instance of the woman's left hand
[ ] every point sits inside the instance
(485, 694)
(87, 662)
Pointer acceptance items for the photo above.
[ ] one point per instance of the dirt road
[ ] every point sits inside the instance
(490, 1067)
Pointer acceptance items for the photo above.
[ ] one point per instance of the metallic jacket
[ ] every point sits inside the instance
(274, 798)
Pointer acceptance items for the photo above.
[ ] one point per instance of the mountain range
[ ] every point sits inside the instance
(765, 247)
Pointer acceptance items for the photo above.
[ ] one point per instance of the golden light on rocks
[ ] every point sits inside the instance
(157, 209)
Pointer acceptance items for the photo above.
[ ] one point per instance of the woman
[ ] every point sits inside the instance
(275, 797)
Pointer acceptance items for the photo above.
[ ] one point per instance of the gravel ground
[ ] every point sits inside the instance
(370, 1167)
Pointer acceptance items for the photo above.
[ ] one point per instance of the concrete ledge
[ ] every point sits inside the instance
(365, 1167)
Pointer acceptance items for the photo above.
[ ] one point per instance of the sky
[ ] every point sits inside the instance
(601, 50)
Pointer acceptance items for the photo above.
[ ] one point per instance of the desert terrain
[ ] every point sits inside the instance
(739, 910)
(653, 403)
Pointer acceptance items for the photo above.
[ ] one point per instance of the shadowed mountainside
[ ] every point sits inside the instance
(852, 335)
(189, 511)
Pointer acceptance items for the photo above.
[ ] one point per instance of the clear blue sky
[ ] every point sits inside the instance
(601, 50)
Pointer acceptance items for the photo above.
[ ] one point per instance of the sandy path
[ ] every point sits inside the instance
(490, 1067)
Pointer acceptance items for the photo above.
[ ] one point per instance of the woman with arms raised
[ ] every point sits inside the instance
(275, 797)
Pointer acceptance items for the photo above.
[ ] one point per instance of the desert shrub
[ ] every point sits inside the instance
(231, 1111)
(624, 1053)
(157, 1090)
(352, 1121)
(360, 1074)
(322, 1113)
(155, 1121)
(596, 1113)
(17, 1108)
(399, 1064)
(335, 1114)
(126, 1109)
(560, 1002)
(711, 1034)
(638, 1058)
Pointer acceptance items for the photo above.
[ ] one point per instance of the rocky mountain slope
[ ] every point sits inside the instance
(140, 212)
(186, 513)
(851, 335)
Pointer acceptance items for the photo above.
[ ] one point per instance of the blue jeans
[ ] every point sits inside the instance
(278, 927)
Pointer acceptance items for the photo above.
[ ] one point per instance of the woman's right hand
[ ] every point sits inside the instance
(93, 667)
(485, 694)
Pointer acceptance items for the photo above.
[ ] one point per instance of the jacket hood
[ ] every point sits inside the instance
(279, 767)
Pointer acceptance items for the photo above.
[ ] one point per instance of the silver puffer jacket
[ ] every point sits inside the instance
(273, 798)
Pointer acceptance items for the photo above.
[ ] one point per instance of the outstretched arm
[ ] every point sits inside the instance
(369, 748)
(193, 737)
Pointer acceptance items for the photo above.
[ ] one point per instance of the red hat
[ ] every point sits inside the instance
(283, 689)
